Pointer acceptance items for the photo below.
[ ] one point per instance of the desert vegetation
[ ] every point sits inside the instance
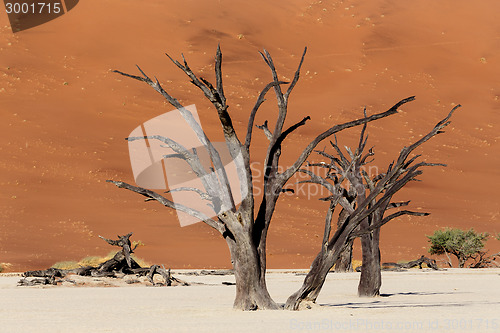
(465, 245)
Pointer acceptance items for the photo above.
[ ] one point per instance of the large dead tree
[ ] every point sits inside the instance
(244, 227)
(364, 201)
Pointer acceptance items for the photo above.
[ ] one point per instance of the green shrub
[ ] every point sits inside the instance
(463, 244)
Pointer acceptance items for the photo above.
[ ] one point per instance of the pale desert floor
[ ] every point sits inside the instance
(456, 300)
(65, 116)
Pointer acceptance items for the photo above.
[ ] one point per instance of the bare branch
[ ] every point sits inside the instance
(362, 139)
(398, 204)
(384, 221)
(328, 224)
(167, 203)
(275, 150)
(335, 146)
(258, 103)
(315, 179)
(202, 194)
(229, 133)
(291, 129)
(110, 241)
(218, 75)
(435, 131)
(296, 76)
(266, 130)
(209, 180)
(194, 79)
(337, 128)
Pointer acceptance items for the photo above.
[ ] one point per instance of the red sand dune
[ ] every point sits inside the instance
(64, 116)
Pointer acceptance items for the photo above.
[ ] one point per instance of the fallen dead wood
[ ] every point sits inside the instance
(209, 272)
(122, 264)
(37, 282)
(392, 266)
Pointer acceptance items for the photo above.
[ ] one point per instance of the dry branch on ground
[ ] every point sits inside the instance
(122, 264)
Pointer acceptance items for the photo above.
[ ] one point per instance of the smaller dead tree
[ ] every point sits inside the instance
(363, 203)
(122, 260)
(120, 265)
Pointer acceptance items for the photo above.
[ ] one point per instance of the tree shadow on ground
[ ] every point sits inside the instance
(380, 304)
(420, 293)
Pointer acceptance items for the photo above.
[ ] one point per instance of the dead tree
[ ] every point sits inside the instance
(122, 260)
(244, 231)
(24, 282)
(121, 264)
(364, 201)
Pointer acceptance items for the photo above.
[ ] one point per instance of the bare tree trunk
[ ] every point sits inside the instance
(371, 278)
(315, 278)
(344, 263)
(449, 259)
(461, 261)
(249, 272)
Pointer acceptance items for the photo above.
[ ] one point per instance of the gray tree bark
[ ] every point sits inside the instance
(344, 263)
(371, 277)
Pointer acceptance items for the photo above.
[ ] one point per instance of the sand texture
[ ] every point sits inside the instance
(456, 300)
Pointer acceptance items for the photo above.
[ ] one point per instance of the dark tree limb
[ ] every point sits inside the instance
(225, 193)
(258, 103)
(164, 201)
(203, 195)
(266, 130)
(385, 220)
(335, 129)
(36, 282)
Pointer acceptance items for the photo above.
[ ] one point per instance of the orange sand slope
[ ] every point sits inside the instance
(64, 116)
